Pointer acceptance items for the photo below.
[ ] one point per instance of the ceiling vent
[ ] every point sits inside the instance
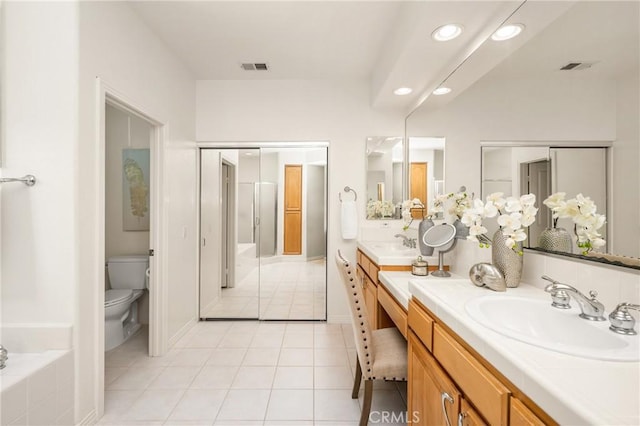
(577, 66)
(247, 66)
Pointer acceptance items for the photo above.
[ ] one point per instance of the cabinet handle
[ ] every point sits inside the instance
(461, 417)
(445, 397)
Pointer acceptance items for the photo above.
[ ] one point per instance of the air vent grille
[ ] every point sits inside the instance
(258, 66)
(577, 66)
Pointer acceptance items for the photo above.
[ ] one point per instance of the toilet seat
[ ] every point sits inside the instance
(114, 297)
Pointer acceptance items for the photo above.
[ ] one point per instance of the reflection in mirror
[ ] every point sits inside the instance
(545, 170)
(426, 171)
(532, 95)
(384, 176)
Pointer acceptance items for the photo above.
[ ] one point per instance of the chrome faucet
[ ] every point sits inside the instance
(621, 321)
(406, 241)
(592, 309)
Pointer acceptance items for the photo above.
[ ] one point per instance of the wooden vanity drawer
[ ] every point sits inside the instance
(421, 324)
(393, 309)
(520, 415)
(489, 395)
(373, 272)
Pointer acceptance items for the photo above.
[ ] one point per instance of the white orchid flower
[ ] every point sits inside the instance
(598, 242)
(513, 205)
(527, 220)
(528, 200)
(477, 229)
(497, 198)
(569, 209)
(510, 221)
(510, 242)
(519, 235)
(555, 201)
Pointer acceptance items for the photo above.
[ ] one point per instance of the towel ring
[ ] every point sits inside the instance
(348, 189)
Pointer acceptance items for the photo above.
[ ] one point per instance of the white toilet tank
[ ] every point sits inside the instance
(128, 271)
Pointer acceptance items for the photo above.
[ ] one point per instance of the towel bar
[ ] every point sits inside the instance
(348, 189)
(28, 180)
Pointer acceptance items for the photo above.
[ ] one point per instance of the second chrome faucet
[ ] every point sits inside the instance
(592, 309)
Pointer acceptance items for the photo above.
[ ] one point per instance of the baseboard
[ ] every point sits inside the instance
(89, 419)
(183, 330)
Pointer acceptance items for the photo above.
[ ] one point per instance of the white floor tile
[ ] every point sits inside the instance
(290, 405)
(153, 404)
(333, 377)
(201, 404)
(136, 378)
(298, 340)
(296, 357)
(293, 378)
(305, 379)
(262, 356)
(330, 357)
(214, 377)
(254, 378)
(227, 356)
(112, 373)
(335, 405)
(117, 402)
(190, 357)
(236, 340)
(175, 378)
(243, 404)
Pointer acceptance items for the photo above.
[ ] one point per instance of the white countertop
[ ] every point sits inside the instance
(392, 253)
(572, 390)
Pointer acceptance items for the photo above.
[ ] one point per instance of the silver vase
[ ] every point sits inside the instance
(462, 231)
(425, 224)
(506, 260)
(555, 239)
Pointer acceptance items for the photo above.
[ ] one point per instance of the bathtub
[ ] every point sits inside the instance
(36, 387)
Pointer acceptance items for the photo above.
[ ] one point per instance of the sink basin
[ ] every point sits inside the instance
(536, 322)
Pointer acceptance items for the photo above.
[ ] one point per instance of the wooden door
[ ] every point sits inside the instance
(431, 394)
(292, 209)
(418, 187)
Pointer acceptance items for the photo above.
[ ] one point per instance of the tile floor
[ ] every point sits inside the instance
(243, 373)
(278, 290)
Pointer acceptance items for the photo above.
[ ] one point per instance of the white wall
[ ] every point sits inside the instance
(516, 110)
(300, 110)
(117, 47)
(122, 131)
(626, 173)
(39, 117)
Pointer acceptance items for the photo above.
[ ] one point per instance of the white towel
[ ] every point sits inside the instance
(349, 218)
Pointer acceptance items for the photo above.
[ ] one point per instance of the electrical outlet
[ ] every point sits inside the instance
(384, 224)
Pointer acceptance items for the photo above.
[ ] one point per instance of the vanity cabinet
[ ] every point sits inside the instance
(377, 309)
(521, 415)
(445, 376)
(370, 292)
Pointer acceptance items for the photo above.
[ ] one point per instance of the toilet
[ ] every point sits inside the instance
(128, 278)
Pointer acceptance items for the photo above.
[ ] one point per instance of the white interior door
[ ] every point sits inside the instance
(210, 229)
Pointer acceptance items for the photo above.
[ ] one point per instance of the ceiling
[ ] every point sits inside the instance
(387, 43)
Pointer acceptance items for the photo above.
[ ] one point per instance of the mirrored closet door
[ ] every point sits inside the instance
(263, 232)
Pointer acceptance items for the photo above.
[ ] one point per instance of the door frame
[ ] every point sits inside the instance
(158, 318)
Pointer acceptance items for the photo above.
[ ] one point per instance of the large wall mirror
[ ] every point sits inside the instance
(387, 179)
(557, 106)
(385, 167)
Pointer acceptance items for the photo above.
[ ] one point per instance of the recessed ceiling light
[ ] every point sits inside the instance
(447, 32)
(506, 32)
(441, 91)
(402, 91)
